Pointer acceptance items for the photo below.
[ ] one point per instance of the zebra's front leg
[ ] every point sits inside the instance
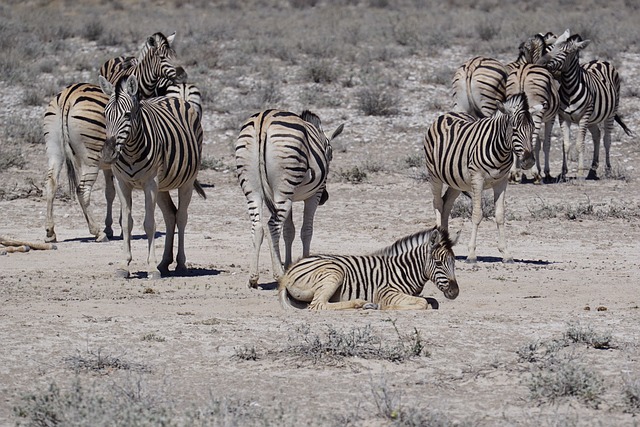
(438, 204)
(150, 201)
(109, 195)
(582, 131)
(499, 191)
(565, 126)
(595, 162)
(477, 185)
(169, 210)
(124, 194)
(546, 147)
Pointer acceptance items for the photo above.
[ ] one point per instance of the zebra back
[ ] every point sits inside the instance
(537, 83)
(74, 131)
(412, 241)
(478, 86)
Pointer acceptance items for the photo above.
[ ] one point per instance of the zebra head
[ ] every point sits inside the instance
(122, 105)
(563, 55)
(313, 119)
(441, 262)
(517, 109)
(157, 68)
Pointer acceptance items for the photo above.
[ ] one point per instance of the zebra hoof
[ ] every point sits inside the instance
(507, 260)
(433, 303)
(471, 260)
(154, 275)
(102, 237)
(371, 306)
(253, 283)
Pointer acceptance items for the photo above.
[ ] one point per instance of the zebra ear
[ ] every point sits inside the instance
(501, 107)
(132, 85)
(434, 238)
(584, 43)
(563, 37)
(151, 42)
(337, 132)
(454, 241)
(171, 38)
(106, 86)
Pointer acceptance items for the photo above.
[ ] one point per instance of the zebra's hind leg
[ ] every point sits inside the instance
(400, 301)
(325, 289)
(184, 199)
(595, 135)
(608, 127)
(477, 186)
(83, 193)
(53, 177)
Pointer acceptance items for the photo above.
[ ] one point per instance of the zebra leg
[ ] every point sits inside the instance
(275, 228)
(53, 177)
(109, 195)
(477, 186)
(257, 232)
(288, 235)
(84, 197)
(150, 201)
(450, 197)
(546, 147)
(608, 127)
(326, 288)
(184, 199)
(565, 125)
(438, 205)
(306, 232)
(124, 194)
(499, 191)
(537, 177)
(595, 162)
(169, 211)
(400, 301)
(582, 131)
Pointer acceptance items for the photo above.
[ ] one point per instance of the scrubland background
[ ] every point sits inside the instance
(549, 340)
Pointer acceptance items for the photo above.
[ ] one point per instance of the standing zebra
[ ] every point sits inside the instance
(154, 145)
(479, 86)
(589, 96)
(468, 154)
(74, 129)
(281, 158)
(392, 278)
(541, 89)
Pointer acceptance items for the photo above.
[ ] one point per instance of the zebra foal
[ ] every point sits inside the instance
(74, 129)
(154, 145)
(390, 279)
(468, 154)
(589, 96)
(281, 158)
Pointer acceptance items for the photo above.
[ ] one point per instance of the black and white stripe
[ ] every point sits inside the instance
(537, 83)
(478, 86)
(154, 145)
(281, 158)
(468, 154)
(589, 96)
(393, 278)
(74, 128)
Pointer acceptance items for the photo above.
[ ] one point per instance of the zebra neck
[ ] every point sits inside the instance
(571, 81)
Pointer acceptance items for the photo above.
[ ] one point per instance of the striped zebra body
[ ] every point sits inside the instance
(154, 145)
(589, 96)
(393, 278)
(74, 133)
(541, 89)
(468, 154)
(478, 86)
(281, 158)
(75, 118)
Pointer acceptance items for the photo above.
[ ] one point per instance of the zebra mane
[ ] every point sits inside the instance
(518, 102)
(310, 117)
(412, 241)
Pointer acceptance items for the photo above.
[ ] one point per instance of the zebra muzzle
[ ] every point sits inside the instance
(452, 291)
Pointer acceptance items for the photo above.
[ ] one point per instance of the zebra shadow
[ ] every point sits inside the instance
(495, 259)
(191, 272)
(92, 239)
(271, 286)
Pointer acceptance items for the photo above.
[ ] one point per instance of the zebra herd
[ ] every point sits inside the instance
(142, 127)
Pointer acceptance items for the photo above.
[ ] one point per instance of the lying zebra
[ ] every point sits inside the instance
(391, 278)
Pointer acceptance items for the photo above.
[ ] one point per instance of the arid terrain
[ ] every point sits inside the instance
(552, 339)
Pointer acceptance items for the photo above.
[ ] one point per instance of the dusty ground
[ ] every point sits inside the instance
(576, 247)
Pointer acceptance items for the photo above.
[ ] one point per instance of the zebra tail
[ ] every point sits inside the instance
(624, 127)
(67, 151)
(198, 187)
(287, 302)
(267, 192)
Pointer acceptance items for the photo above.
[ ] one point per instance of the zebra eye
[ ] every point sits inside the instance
(438, 263)
(127, 115)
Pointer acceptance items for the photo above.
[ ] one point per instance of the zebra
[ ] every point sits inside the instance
(535, 47)
(468, 154)
(154, 145)
(478, 86)
(281, 158)
(589, 96)
(540, 88)
(392, 278)
(74, 130)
